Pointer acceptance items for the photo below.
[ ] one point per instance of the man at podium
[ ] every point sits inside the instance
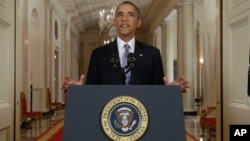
(124, 113)
(126, 61)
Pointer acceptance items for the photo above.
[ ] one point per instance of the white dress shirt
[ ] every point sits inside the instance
(121, 49)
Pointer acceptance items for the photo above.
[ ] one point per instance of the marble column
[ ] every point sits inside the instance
(158, 38)
(188, 55)
(168, 43)
(179, 40)
(197, 61)
(169, 50)
(164, 44)
(165, 50)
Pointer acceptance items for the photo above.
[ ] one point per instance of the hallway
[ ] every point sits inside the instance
(29, 133)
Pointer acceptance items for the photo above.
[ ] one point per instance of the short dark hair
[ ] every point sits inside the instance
(131, 3)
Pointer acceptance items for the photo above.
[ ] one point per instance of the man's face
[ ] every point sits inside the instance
(126, 21)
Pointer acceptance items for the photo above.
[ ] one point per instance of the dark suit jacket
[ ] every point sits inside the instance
(148, 68)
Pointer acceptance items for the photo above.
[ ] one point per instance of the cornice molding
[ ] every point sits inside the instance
(171, 16)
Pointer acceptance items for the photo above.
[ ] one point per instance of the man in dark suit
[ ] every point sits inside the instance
(147, 69)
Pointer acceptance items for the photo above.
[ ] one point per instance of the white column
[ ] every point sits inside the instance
(209, 51)
(168, 43)
(188, 49)
(158, 38)
(197, 60)
(164, 44)
(179, 40)
(169, 50)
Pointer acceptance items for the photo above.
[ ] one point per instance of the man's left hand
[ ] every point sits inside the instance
(179, 81)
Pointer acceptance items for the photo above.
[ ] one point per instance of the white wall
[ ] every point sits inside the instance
(39, 46)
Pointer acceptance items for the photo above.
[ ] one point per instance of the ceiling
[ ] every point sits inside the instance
(85, 13)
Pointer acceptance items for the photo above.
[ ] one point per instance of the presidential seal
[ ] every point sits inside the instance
(124, 118)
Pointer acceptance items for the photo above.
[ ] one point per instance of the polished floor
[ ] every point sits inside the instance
(29, 133)
(193, 127)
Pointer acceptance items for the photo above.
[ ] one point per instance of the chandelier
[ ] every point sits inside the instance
(106, 22)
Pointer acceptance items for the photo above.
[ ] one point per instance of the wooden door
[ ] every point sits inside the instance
(236, 43)
(7, 58)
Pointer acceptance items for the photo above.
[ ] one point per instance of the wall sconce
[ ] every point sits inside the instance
(26, 42)
(201, 61)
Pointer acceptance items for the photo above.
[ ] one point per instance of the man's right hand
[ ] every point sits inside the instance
(69, 81)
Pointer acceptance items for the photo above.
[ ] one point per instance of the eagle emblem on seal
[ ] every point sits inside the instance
(124, 119)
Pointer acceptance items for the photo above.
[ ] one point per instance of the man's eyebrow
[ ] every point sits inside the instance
(130, 12)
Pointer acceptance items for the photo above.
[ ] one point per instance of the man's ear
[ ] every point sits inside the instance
(139, 23)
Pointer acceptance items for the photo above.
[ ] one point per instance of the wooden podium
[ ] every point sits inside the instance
(153, 113)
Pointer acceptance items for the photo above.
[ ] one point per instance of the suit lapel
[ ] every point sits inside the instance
(139, 55)
(113, 49)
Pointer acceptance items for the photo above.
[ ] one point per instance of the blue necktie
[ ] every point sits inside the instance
(124, 63)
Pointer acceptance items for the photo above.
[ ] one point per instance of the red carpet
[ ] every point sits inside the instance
(58, 136)
(190, 137)
(54, 133)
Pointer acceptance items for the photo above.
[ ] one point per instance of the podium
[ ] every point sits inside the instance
(124, 113)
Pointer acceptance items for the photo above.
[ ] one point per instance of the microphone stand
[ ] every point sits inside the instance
(123, 75)
(115, 61)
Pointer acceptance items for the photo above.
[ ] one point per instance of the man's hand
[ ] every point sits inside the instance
(180, 81)
(69, 81)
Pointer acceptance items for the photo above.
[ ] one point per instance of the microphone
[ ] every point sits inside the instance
(114, 59)
(130, 63)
